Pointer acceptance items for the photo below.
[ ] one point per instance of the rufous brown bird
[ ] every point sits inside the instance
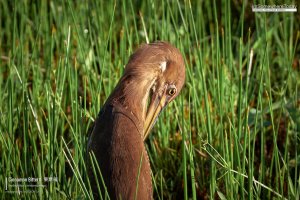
(156, 71)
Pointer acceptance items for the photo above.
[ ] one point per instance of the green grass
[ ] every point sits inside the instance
(233, 133)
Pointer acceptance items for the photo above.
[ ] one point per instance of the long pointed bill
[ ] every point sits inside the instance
(156, 105)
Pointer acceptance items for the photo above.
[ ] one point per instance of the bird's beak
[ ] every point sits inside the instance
(158, 102)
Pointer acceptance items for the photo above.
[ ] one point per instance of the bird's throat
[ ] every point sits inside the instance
(133, 96)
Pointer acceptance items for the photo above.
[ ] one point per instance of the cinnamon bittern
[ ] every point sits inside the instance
(156, 72)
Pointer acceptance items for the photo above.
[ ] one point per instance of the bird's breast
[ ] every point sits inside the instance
(118, 145)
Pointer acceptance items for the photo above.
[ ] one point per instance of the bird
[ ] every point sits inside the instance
(152, 78)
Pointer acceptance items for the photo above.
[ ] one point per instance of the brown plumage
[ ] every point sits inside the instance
(154, 71)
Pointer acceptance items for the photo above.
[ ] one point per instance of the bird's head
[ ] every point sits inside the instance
(159, 71)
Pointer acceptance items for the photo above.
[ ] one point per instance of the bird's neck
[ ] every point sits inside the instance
(132, 95)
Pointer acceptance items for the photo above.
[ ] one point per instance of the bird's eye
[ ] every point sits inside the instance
(172, 91)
